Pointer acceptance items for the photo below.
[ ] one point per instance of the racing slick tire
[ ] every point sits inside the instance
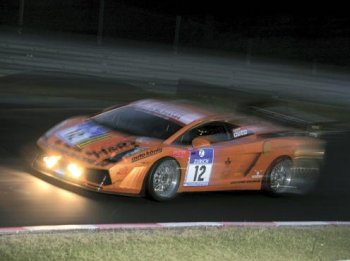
(279, 176)
(164, 179)
(285, 176)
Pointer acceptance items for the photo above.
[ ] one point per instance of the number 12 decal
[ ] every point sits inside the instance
(199, 167)
(202, 169)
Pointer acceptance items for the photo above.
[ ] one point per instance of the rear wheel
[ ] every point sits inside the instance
(279, 177)
(287, 176)
(164, 180)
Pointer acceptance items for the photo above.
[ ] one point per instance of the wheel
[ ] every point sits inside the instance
(279, 176)
(286, 176)
(164, 180)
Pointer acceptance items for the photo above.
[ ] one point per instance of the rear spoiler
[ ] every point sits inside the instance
(313, 124)
(291, 116)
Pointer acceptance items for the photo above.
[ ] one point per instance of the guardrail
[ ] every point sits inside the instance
(150, 64)
(104, 62)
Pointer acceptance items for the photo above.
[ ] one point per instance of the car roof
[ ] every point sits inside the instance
(180, 111)
(187, 112)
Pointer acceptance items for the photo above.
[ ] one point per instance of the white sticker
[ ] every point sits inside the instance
(168, 110)
(199, 167)
(239, 132)
(257, 175)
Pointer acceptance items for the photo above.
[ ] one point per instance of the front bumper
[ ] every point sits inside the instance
(92, 179)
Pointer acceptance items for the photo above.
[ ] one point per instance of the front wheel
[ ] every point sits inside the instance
(164, 180)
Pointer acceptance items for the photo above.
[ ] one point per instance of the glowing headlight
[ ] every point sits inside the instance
(75, 170)
(51, 161)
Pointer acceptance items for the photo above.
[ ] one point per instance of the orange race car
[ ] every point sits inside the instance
(160, 148)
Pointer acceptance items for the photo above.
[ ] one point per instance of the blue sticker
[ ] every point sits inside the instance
(202, 156)
(82, 133)
(199, 167)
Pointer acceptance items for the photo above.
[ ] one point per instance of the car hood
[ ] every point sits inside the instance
(83, 138)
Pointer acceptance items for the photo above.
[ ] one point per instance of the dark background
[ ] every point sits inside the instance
(310, 31)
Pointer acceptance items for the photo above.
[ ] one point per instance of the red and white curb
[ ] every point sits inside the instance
(63, 228)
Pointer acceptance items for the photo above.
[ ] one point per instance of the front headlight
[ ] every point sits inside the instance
(75, 170)
(51, 161)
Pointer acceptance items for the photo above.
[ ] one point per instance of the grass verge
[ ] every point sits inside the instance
(321, 243)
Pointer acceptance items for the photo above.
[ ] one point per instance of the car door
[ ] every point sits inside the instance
(224, 162)
(204, 165)
(235, 159)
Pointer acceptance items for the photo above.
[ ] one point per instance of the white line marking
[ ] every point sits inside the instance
(62, 228)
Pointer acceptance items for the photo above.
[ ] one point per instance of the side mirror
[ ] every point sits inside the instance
(200, 142)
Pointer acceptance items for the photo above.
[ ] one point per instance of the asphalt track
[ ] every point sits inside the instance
(29, 199)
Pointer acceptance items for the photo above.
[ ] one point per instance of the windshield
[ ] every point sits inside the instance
(136, 122)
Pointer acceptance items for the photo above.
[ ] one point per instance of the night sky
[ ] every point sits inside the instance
(249, 13)
(292, 29)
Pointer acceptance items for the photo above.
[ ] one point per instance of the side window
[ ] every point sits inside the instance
(218, 130)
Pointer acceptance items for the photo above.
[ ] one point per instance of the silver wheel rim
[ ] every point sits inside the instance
(281, 176)
(166, 178)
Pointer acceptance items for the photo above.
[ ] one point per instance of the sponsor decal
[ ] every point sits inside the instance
(257, 175)
(83, 134)
(97, 154)
(245, 181)
(168, 110)
(114, 148)
(201, 153)
(239, 132)
(180, 154)
(199, 167)
(146, 140)
(146, 154)
(104, 163)
(71, 154)
(77, 149)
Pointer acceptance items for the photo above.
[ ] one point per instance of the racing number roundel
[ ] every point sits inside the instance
(199, 167)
